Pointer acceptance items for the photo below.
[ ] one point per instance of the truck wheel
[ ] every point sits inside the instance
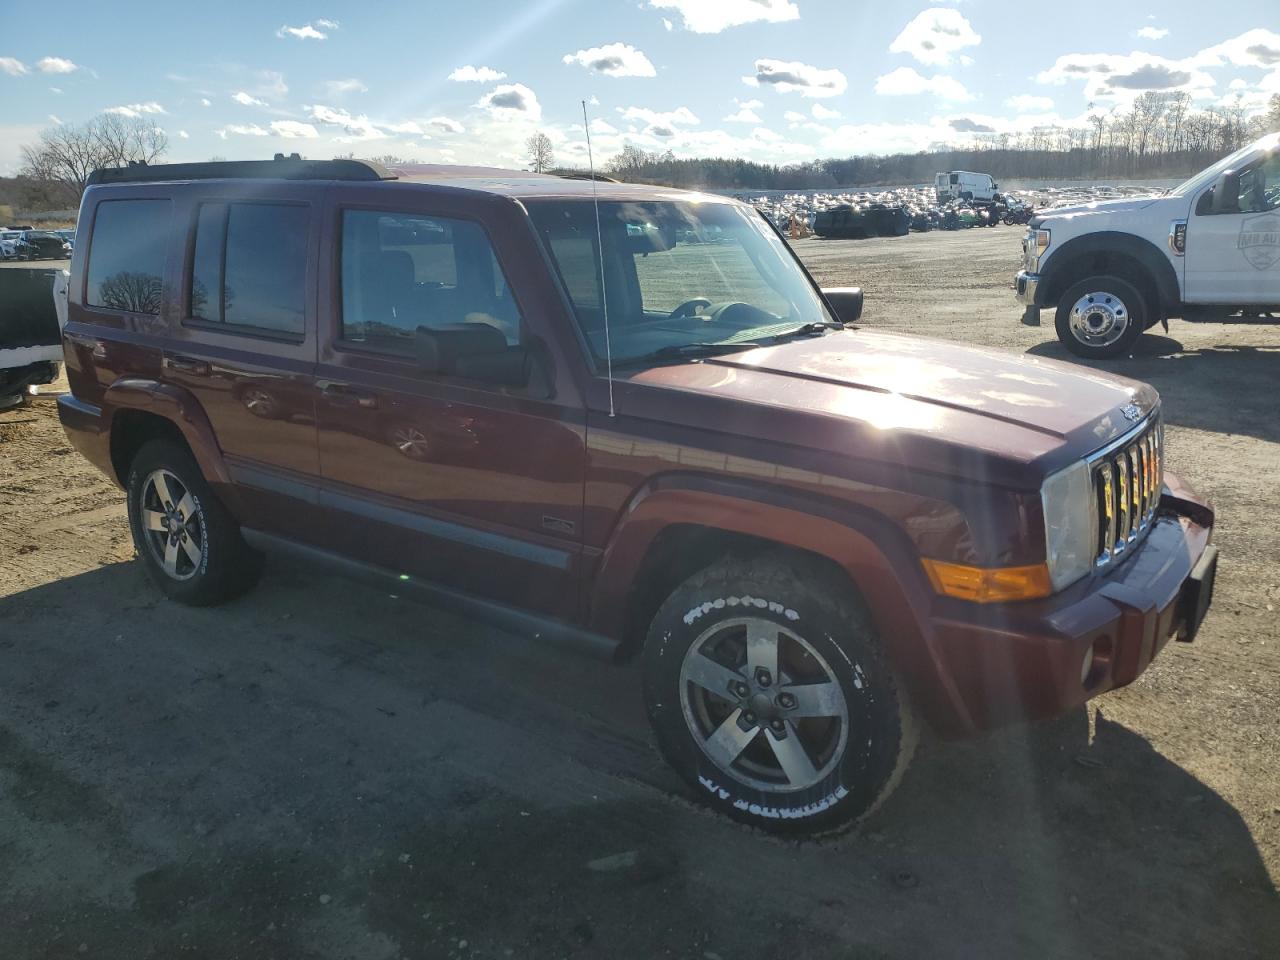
(189, 543)
(1101, 317)
(769, 694)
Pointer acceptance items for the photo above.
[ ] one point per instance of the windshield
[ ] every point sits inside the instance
(1207, 176)
(676, 273)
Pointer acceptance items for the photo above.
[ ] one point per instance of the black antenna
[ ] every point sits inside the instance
(604, 300)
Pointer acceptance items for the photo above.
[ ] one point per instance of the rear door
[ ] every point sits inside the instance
(446, 476)
(1233, 257)
(246, 345)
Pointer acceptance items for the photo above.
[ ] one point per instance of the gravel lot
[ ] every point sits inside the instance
(320, 770)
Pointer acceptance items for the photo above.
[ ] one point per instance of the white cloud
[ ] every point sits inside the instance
(183, 135)
(242, 130)
(823, 113)
(446, 124)
(1253, 48)
(407, 126)
(270, 86)
(245, 100)
(512, 100)
(795, 116)
(907, 82)
(353, 128)
(54, 118)
(340, 88)
(1026, 103)
(766, 135)
(12, 66)
(795, 77)
(668, 25)
(659, 124)
(57, 90)
(613, 60)
(1153, 33)
(935, 35)
(294, 130)
(55, 65)
(1109, 76)
(206, 102)
(470, 74)
(136, 109)
(602, 127)
(315, 30)
(712, 16)
(746, 112)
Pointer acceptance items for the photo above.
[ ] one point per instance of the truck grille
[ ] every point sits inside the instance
(1127, 480)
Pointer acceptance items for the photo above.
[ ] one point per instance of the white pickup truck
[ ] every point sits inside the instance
(1115, 268)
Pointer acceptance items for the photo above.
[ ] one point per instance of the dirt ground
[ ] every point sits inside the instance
(319, 770)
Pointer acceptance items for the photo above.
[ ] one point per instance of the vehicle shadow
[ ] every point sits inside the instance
(1224, 388)
(319, 765)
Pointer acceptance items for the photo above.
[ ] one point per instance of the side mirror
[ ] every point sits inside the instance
(511, 368)
(845, 303)
(1226, 194)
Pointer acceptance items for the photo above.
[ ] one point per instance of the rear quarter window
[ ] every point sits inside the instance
(126, 255)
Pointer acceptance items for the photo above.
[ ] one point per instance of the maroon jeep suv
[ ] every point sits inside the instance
(623, 418)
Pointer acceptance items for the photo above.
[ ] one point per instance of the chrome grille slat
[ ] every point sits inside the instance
(1127, 478)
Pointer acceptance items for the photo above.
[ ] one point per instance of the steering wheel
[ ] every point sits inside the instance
(688, 308)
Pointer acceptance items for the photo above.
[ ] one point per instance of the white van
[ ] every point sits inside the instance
(963, 185)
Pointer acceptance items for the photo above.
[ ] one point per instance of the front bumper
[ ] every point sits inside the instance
(1028, 661)
(1025, 287)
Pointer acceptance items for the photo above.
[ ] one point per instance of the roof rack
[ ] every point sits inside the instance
(291, 167)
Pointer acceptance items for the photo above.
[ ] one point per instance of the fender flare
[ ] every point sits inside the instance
(1157, 265)
(877, 557)
(181, 408)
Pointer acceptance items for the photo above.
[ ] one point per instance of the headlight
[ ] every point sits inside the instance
(1068, 525)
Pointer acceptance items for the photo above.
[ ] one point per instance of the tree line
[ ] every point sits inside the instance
(1159, 136)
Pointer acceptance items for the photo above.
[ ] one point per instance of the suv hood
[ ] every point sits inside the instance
(924, 403)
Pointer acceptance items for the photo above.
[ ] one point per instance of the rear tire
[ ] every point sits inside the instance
(769, 694)
(1101, 317)
(187, 540)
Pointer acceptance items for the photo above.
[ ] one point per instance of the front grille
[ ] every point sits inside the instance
(1127, 479)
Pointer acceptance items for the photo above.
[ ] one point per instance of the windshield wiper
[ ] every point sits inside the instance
(808, 329)
(688, 351)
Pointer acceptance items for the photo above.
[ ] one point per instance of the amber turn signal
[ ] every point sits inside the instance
(989, 584)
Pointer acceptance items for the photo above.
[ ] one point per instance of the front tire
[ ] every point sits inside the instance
(189, 543)
(769, 694)
(1101, 317)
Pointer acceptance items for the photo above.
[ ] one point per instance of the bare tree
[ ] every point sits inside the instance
(542, 155)
(68, 153)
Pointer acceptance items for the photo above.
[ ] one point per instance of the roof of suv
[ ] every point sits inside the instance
(491, 180)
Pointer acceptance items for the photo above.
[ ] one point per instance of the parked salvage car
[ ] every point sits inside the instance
(41, 245)
(9, 244)
(627, 440)
(1115, 268)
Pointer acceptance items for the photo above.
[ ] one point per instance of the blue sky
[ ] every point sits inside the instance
(775, 80)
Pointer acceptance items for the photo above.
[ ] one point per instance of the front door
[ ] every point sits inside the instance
(435, 466)
(1233, 256)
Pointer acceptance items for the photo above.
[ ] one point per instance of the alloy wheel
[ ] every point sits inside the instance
(763, 705)
(172, 525)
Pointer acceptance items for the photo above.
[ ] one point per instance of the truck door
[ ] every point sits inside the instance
(1233, 247)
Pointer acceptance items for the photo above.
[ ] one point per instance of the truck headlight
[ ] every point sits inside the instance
(1068, 524)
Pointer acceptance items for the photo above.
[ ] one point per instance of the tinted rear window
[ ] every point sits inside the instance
(126, 255)
(249, 266)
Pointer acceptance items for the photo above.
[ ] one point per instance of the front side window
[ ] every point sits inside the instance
(1260, 186)
(402, 272)
(249, 265)
(126, 256)
(675, 274)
